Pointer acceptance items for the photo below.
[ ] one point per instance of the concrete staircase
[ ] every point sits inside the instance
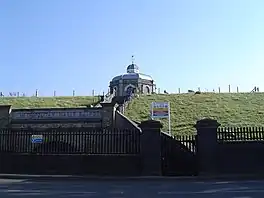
(103, 99)
(121, 101)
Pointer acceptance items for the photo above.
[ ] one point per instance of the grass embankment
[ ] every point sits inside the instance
(242, 109)
(42, 102)
(234, 110)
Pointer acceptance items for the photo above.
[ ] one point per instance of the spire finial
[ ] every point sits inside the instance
(133, 59)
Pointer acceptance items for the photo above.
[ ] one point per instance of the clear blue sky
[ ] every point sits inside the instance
(81, 44)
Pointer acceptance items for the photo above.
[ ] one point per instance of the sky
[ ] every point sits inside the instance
(81, 45)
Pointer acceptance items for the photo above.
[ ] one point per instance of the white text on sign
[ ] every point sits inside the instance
(160, 105)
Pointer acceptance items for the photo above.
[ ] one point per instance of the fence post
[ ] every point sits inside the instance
(206, 145)
(4, 115)
(150, 147)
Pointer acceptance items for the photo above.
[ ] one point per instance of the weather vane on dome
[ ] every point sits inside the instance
(133, 59)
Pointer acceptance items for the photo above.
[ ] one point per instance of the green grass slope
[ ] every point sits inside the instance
(236, 109)
(42, 102)
(239, 109)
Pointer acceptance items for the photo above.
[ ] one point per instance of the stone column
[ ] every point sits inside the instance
(207, 145)
(120, 88)
(151, 147)
(4, 115)
(107, 115)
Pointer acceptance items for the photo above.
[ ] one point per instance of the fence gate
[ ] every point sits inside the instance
(82, 151)
(178, 155)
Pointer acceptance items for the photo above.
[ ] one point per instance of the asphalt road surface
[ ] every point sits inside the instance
(131, 189)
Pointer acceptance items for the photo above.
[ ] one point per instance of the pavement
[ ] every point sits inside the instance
(124, 188)
(137, 178)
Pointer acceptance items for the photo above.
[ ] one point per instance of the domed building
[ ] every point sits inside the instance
(132, 82)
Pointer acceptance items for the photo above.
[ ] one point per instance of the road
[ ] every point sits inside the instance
(131, 189)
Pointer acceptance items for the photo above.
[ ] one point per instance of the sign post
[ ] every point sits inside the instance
(161, 110)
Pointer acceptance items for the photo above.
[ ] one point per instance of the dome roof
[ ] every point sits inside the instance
(133, 68)
(131, 76)
(132, 73)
